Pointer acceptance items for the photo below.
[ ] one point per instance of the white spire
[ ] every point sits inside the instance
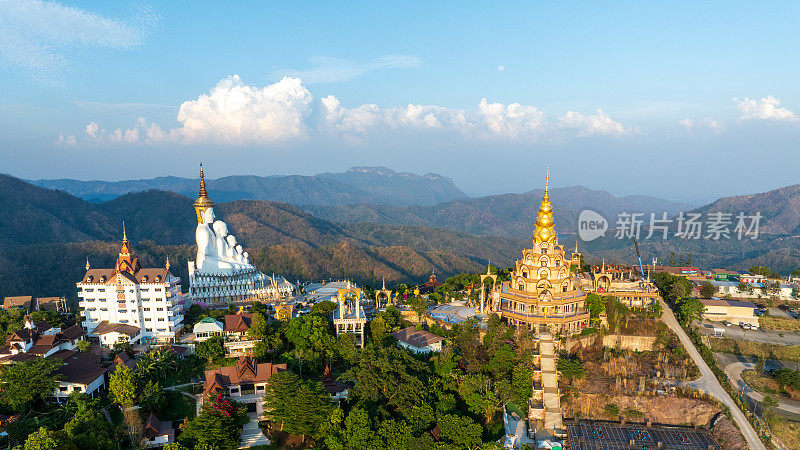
(87, 264)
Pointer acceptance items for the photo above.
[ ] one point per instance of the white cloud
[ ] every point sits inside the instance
(513, 122)
(329, 70)
(768, 108)
(235, 113)
(67, 141)
(39, 36)
(593, 124)
(708, 123)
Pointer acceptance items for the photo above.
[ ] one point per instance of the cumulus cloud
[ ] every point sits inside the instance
(593, 124)
(703, 124)
(235, 113)
(768, 108)
(39, 36)
(328, 70)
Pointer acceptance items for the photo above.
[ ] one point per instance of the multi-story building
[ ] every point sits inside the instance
(148, 299)
(542, 295)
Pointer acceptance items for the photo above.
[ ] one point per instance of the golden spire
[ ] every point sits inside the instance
(124, 233)
(545, 224)
(203, 202)
(126, 249)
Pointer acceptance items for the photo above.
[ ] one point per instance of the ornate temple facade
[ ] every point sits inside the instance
(542, 295)
(221, 274)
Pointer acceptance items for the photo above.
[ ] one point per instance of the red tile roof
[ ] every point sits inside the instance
(246, 370)
(417, 338)
(238, 323)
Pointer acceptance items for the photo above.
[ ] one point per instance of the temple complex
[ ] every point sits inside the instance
(542, 295)
(221, 274)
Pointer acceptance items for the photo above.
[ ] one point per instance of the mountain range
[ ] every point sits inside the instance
(49, 233)
(377, 185)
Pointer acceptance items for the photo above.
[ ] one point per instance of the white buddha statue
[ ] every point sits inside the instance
(217, 250)
(204, 236)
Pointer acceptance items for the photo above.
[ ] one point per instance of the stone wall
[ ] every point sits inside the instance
(623, 341)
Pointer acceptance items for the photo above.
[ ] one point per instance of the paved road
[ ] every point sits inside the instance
(708, 383)
(734, 372)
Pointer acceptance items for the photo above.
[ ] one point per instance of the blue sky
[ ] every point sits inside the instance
(681, 100)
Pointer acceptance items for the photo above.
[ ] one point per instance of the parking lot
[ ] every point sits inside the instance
(736, 332)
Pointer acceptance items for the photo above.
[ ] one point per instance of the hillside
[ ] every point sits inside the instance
(779, 208)
(357, 185)
(499, 215)
(282, 239)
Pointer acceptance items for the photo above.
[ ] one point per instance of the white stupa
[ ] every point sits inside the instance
(222, 274)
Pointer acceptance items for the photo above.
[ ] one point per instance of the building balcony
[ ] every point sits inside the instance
(541, 318)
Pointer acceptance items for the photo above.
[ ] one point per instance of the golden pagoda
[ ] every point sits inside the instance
(541, 294)
(203, 202)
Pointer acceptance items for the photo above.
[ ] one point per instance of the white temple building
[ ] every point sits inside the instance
(221, 274)
(141, 303)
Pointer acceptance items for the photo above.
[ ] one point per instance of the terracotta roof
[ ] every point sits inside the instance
(80, 367)
(123, 358)
(137, 277)
(154, 428)
(238, 322)
(417, 338)
(105, 327)
(73, 332)
(23, 301)
(246, 370)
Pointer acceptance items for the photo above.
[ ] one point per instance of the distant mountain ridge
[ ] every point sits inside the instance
(377, 185)
(509, 215)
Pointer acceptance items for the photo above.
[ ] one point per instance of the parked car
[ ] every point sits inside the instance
(727, 324)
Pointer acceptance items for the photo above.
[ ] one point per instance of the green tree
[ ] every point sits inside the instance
(312, 338)
(218, 426)
(420, 306)
(279, 396)
(570, 368)
(763, 271)
(152, 397)
(690, 309)
(210, 349)
(461, 431)
(596, 306)
(315, 405)
(707, 289)
(122, 386)
(358, 434)
(83, 345)
(745, 288)
(41, 439)
(87, 428)
(26, 382)
(259, 326)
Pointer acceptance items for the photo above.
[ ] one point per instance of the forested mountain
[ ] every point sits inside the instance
(377, 185)
(500, 215)
(47, 236)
